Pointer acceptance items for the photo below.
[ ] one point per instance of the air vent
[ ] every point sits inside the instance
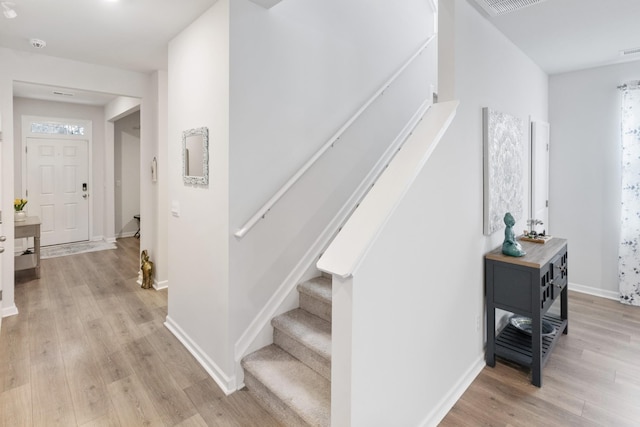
(627, 52)
(502, 7)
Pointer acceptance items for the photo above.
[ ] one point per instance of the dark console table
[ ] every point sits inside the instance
(527, 286)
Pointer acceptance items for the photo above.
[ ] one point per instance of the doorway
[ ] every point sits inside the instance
(56, 177)
(540, 172)
(126, 148)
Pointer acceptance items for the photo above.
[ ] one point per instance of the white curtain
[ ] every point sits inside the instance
(629, 251)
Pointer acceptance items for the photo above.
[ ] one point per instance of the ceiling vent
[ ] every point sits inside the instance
(632, 51)
(502, 7)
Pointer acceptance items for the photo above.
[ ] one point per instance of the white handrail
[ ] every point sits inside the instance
(262, 212)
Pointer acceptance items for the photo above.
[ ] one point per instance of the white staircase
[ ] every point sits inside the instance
(292, 377)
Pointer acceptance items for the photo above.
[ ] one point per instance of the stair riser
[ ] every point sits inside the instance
(315, 306)
(271, 403)
(306, 355)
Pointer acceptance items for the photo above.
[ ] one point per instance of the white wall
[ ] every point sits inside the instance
(156, 228)
(490, 71)
(292, 84)
(434, 293)
(47, 70)
(63, 110)
(299, 71)
(198, 238)
(584, 109)
(127, 174)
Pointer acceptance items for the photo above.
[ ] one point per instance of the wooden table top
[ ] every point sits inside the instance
(31, 220)
(538, 254)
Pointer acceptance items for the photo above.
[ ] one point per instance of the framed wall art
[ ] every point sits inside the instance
(504, 168)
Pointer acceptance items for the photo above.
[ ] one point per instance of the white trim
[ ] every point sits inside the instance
(444, 406)
(347, 250)
(160, 285)
(613, 295)
(127, 234)
(9, 311)
(228, 385)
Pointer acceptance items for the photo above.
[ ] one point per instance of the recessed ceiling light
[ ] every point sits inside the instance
(37, 43)
(8, 11)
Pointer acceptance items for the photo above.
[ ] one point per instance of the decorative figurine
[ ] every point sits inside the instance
(510, 246)
(146, 267)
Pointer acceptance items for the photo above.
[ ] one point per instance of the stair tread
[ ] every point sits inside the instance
(305, 391)
(318, 287)
(310, 330)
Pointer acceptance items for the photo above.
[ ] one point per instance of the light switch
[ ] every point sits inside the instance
(175, 208)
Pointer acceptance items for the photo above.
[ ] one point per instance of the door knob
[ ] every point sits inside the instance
(3, 238)
(85, 195)
(1, 250)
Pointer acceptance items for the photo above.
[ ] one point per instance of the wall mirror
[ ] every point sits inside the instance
(195, 156)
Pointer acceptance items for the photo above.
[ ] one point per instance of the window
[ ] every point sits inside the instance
(56, 128)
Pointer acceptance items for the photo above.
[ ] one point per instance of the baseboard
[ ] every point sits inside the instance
(127, 234)
(228, 385)
(450, 399)
(9, 311)
(594, 291)
(163, 284)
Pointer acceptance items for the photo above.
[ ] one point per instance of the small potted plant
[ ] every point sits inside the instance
(18, 205)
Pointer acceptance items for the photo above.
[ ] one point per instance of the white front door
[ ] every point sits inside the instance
(540, 173)
(57, 188)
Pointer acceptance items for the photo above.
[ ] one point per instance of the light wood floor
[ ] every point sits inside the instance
(592, 377)
(89, 349)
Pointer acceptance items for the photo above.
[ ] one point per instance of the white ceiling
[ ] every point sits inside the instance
(559, 35)
(129, 34)
(567, 35)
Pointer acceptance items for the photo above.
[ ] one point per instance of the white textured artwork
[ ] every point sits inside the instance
(503, 168)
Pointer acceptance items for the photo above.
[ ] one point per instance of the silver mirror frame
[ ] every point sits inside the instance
(204, 179)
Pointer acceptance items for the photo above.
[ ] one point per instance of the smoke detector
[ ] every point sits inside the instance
(37, 43)
(502, 7)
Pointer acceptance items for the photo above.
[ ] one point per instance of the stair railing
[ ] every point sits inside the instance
(262, 212)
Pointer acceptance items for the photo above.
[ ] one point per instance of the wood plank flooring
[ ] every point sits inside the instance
(89, 348)
(592, 377)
